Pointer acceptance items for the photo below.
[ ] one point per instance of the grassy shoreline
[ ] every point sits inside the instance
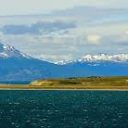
(89, 83)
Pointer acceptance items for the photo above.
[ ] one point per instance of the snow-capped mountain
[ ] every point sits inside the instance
(16, 66)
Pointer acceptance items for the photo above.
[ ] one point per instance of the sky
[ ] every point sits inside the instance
(15, 7)
(68, 30)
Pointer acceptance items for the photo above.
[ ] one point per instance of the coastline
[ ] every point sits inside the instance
(23, 89)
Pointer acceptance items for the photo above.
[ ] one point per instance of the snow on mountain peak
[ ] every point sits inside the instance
(97, 58)
(105, 57)
(7, 51)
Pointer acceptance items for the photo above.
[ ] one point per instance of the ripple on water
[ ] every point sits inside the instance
(63, 109)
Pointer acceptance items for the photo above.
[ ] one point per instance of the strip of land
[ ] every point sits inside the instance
(89, 83)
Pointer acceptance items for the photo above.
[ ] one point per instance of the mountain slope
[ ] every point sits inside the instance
(16, 66)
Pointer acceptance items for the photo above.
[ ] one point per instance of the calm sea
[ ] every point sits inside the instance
(63, 109)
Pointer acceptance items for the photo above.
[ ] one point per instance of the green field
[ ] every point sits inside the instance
(75, 83)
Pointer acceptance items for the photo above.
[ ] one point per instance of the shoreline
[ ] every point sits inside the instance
(9, 89)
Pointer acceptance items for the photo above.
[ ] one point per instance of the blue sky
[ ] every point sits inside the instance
(68, 30)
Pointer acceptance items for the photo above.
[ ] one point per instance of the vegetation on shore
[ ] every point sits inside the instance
(75, 83)
(83, 83)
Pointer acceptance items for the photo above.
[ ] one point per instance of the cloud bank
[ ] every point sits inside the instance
(68, 34)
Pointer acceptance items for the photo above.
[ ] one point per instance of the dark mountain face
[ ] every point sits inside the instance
(23, 69)
(80, 69)
(16, 66)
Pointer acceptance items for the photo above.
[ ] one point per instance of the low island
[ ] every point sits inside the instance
(88, 83)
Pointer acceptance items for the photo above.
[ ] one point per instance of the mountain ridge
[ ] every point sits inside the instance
(20, 67)
(97, 58)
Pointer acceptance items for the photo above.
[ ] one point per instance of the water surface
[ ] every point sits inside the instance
(63, 109)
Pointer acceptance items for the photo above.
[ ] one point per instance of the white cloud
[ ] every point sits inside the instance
(55, 58)
(94, 39)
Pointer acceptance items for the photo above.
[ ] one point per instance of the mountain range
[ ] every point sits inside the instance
(17, 66)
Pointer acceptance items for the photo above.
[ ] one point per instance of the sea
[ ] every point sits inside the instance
(63, 109)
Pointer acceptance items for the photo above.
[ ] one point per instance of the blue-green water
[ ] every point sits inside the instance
(63, 109)
(15, 82)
